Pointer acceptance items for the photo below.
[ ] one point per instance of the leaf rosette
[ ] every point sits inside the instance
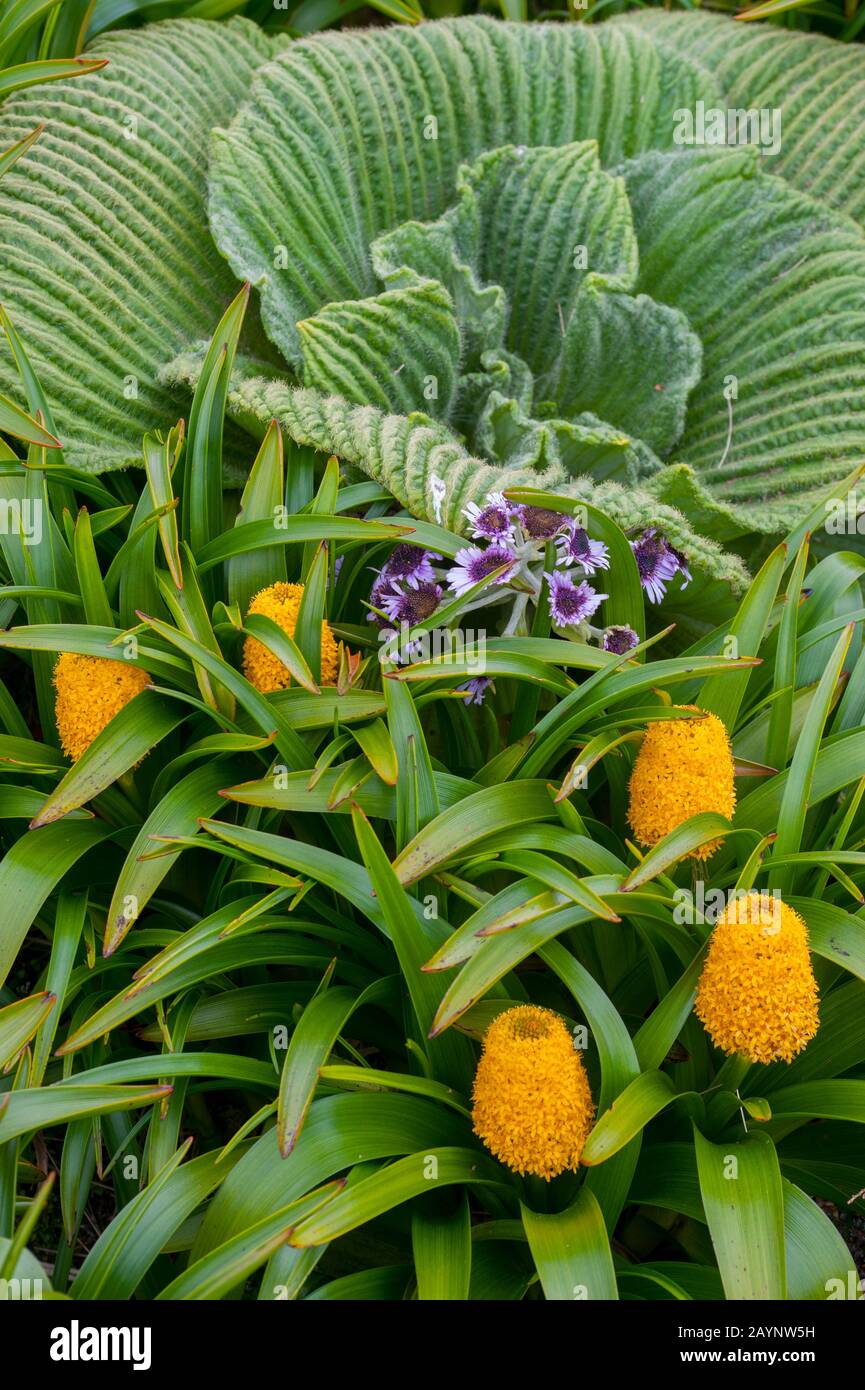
(483, 261)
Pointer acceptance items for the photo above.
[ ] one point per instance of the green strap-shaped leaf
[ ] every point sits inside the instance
(178, 813)
(53, 1105)
(130, 1243)
(124, 741)
(339, 1132)
(18, 1023)
(571, 1251)
(630, 1112)
(31, 870)
(223, 1269)
(741, 1188)
(818, 1261)
(483, 813)
(311, 1043)
(396, 1183)
(442, 1247)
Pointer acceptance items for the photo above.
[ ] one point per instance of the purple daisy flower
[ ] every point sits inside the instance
(541, 522)
(575, 548)
(473, 565)
(476, 689)
(380, 587)
(411, 606)
(570, 603)
(656, 563)
(682, 562)
(410, 565)
(620, 639)
(493, 522)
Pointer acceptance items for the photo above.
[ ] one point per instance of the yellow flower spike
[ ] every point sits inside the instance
(757, 994)
(90, 691)
(532, 1106)
(684, 766)
(281, 602)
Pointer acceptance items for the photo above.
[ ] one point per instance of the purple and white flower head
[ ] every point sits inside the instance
(540, 523)
(682, 563)
(410, 565)
(656, 563)
(473, 565)
(570, 603)
(620, 639)
(493, 522)
(411, 606)
(475, 689)
(574, 547)
(381, 586)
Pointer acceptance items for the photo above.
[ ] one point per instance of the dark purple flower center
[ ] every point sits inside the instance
(570, 603)
(541, 521)
(649, 554)
(619, 640)
(491, 559)
(420, 603)
(404, 560)
(492, 519)
(578, 543)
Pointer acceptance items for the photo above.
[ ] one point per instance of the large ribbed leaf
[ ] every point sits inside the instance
(349, 135)
(409, 219)
(773, 285)
(817, 83)
(106, 264)
(432, 473)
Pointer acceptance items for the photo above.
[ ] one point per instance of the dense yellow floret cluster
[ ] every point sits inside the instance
(266, 672)
(90, 691)
(532, 1106)
(684, 766)
(757, 994)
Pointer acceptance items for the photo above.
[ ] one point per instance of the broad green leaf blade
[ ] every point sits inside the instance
(743, 1198)
(231, 1264)
(19, 424)
(450, 1057)
(129, 736)
(178, 813)
(31, 870)
(202, 463)
(690, 835)
(19, 1022)
(340, 1131)
(482, 814)
(311, 1043)
(261, 500)
(571, 1251)
(799, 783)
(630, 1112)
(818, 1261)
(397, 1183)
(52, 1105)
(30, 74)
(127, 1247)
(722, 695)
(442, 1248)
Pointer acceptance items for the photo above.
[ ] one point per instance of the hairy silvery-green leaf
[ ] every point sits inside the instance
(815, 84)
(106, 263)
(350, 135)
(620, 303)
(430, 472)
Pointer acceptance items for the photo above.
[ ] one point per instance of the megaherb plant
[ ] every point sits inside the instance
(259, 923)
(482, 257)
